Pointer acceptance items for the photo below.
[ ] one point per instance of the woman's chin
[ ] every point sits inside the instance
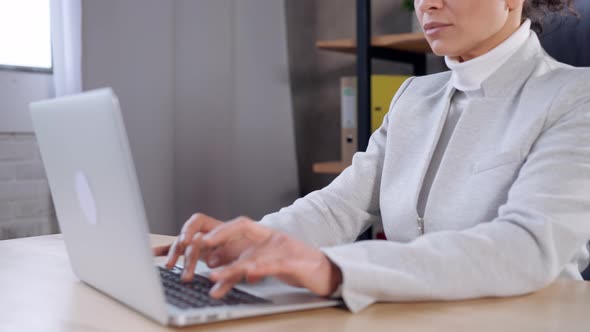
(441, 48)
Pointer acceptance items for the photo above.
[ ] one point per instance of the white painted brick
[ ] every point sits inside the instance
(26, 208)
(7, 171)
(30, 170)
(29, 139)
(21, 190)
(33, 208)
(18, 150)
(27, 227)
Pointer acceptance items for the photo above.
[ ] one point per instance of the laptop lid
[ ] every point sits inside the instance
(92, 178)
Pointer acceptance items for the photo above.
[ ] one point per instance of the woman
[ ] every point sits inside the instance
(480, 177)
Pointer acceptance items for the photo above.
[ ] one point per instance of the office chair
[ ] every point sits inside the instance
(566, 38)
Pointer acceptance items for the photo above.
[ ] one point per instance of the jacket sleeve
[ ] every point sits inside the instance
(340, 212)
(543, 225)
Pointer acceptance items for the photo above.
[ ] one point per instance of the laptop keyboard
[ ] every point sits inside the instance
(195, 294)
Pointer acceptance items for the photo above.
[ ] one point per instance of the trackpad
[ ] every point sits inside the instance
(269, 288)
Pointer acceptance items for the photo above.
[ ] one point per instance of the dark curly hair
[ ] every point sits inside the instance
(536, 10)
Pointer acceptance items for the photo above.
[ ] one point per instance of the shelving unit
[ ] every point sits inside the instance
(330, 167)
(406, 42)
(409, 48)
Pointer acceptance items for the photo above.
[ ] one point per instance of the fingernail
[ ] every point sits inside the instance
(214, 275)
(214, 260)
(218, 274)
(214, 289)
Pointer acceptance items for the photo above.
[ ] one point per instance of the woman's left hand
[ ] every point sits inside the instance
(279, 255)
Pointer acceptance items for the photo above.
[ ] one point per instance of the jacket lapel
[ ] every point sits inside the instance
(417, 124)
(433, 121)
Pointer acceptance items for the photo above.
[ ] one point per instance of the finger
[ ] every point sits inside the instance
(277, 269)
(249, 271)
(196, 223)
(238, 227)
(254, 280)
(219, 256)
(233, 271)
(162, 250)
(213, 258)
(275, 258)
(191, 257)
(266, 253)
(199, 222)
(265, 266)
(228, 253)
(221, 288)
(173, 254)
(239, 269)
(293, 272)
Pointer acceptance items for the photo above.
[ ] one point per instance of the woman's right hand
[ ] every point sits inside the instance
(189, 244)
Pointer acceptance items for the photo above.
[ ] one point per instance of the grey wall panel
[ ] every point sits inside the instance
(128, 45)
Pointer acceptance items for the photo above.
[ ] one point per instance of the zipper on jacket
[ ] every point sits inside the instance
(420, 225)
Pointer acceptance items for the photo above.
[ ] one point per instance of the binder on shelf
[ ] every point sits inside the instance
(348, 117)
(383, 89)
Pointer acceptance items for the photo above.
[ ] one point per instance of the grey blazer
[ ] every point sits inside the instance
(508, 211)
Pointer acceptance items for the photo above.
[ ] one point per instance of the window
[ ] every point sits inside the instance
(25, 35)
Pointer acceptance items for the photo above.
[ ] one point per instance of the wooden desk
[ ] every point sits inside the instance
(38, 292)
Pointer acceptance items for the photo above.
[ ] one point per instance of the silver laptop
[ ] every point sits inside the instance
(100, 210)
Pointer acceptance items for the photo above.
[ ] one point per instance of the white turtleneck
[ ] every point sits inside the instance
(467, 78)
(469, 75)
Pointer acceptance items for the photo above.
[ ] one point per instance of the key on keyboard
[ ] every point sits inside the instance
(195, 294)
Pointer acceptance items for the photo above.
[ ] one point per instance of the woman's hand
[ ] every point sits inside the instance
(189, 244)
(274, 254)
(245, 250)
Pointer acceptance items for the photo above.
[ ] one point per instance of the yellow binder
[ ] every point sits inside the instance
(383, 89)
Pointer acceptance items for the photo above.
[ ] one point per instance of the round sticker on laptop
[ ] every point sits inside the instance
(85, 198)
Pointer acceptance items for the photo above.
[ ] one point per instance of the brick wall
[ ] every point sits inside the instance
(26, 208)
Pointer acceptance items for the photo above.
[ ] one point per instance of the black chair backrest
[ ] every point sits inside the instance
(567, 38)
